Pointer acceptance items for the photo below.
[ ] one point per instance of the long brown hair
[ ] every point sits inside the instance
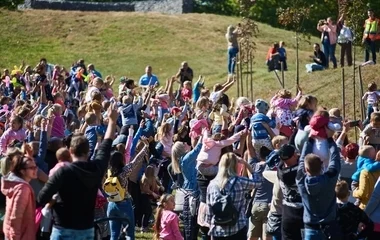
(157, 222)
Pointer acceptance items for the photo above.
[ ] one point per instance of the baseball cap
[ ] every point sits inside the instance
(286, 152)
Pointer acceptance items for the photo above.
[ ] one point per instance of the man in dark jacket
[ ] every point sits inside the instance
(77, 186)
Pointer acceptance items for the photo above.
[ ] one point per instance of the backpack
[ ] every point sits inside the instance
(225, 212)
(113, 188)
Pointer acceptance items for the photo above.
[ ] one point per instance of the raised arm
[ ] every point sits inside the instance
(307, 149)
(334, 164)
(127, 152)
(229, 141)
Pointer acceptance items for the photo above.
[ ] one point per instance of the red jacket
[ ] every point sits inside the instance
(19, 219)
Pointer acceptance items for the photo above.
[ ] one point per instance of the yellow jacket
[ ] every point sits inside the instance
(367, 183)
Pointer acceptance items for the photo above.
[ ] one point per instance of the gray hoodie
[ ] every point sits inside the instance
(318, 192)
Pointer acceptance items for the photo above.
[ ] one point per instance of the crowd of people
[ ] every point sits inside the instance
(332, 34)
(75, 150)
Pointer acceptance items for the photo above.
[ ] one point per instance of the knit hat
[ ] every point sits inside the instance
(261, 106)
(286, 152)
(318, 126)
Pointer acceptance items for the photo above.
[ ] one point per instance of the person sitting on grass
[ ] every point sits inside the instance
(319, 58)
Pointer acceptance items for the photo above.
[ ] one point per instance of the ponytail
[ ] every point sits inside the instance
(157, 218)
(157, 222)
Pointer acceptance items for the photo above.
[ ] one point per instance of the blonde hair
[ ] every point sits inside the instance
(163, 131)
(227, 168)
(148, 176)
(202, 101)
(157, 223)
(57, 108)
(242, 101)
(178, 151)
(365, 151)
(277, 140)
(230, 33)
(306, 101)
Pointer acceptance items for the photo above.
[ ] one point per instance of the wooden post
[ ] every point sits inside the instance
(251, 70)
(362, 104)
(282, 74)
(241, 71)
(354, 88)
(247, 77)
(238, 73)
(343, 96)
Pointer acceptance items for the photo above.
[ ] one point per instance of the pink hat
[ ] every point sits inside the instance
(318, 126)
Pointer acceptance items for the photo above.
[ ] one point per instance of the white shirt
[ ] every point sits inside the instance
(215, 95)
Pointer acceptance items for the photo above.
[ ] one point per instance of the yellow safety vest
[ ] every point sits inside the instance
(371, 29)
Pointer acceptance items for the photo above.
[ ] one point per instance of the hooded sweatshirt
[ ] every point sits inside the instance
(20, 208)
(77, 186)
(364, 163)
(318, 192)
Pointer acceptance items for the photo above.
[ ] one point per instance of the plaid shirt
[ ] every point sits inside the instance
(238, 194)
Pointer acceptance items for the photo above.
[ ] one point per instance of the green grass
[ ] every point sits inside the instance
(124, 43)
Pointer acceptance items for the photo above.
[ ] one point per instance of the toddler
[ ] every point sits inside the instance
(306, 108)
(351, 217)
(58, 129)
(64, 158)
(371, 133)
(14, 132)
(260, 135)
(319, 123)
(283, 104)
(274, 159)
(372, 98)
(208, 158)
(186, 92)
(366, 160)
(93, 131)
(96, 104)
(166, 225)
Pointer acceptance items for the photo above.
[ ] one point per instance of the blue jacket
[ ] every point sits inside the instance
(189, 172)
(129, 112)
(258, 130)
(273, 160)
(91, 134)
(318, 192)
(363, 163)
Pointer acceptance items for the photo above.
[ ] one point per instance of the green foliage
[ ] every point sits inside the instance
(222, 7)
(10, 4)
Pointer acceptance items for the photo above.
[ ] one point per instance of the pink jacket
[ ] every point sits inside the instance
(169, 229)
(196, 129)
(58, 129)
(19, 219)
(283, 106)
(57, 166)
(331, 29)
(9, 135)
(211, 149)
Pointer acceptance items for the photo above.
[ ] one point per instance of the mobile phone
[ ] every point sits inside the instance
(354, 123)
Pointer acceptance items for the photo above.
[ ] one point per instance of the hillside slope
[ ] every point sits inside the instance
(124, 43)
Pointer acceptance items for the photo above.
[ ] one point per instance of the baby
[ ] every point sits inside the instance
(371, 133)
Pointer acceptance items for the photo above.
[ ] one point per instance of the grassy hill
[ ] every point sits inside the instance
(124, 43)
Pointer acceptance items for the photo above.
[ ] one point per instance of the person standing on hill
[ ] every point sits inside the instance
(345, 39)
(185, 73)
(233, 47)
(328, 39)
(148, 79)
(370, 35)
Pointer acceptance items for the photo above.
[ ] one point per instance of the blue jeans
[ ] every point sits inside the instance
(329, 51)
(371, 46)
(276, 237)
(311, 67)
(232, 52)
(121, 209)
(311, 234)
(70, 234)
(369, 112)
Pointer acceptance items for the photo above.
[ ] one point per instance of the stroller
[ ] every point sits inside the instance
(98, 227)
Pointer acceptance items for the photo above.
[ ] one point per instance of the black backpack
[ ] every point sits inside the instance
(225, 212)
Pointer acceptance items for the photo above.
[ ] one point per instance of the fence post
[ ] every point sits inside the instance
(343, 96)
(362, 104)
(282, 74)
(251, 70)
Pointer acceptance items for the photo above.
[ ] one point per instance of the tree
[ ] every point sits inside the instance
(294, 17)
(10, 4)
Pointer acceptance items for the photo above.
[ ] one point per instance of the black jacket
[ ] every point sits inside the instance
(77, 186)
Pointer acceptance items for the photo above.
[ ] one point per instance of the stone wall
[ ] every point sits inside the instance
(162, 6)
